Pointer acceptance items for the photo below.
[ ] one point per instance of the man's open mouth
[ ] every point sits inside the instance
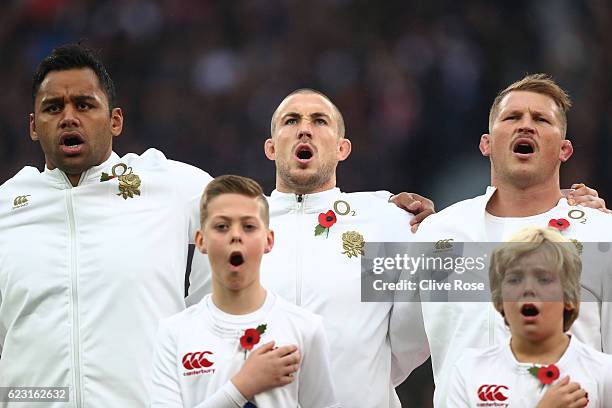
(71, 139)
(304, 152)
(524, 146)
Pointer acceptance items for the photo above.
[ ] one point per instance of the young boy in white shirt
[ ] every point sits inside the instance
(535, 285)
(241, 346)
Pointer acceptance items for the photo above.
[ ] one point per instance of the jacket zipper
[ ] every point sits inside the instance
(298, 259)
(76, 349)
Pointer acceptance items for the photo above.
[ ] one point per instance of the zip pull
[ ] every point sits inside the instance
(299, 198)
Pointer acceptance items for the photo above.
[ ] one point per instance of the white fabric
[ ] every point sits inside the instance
(496, 369)
(85, 275)
(312, 272)
(205, 328)
(452, 327)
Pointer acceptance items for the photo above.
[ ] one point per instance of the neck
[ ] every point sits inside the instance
(74, 179)
(548, 351)
(239, 302)
(512, 201)
(283, 187)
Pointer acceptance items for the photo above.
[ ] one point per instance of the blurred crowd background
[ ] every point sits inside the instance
(414, 79)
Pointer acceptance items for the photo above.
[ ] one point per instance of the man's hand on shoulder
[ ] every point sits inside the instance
(587, 197)
(421, 207)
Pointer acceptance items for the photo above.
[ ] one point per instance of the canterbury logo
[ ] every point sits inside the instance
(488, 392)
(444, 244)
(191, 361)
(20, 201)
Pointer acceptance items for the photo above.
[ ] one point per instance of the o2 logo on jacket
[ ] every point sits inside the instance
(492, 394)
(199, 362)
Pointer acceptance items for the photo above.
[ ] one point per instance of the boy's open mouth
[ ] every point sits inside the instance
(529, 310)
(236, 259)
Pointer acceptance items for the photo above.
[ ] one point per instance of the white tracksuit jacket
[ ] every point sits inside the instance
(312, 272)
(86, 274)
(452, 327)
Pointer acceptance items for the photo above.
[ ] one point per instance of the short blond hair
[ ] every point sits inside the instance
(539, 83)
(562, 253)
(231, 184)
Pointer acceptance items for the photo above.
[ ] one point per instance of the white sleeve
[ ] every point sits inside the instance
(200, 278)
(190, 184)
(316, 389)
(1, 308)
(165, 388)
(409, 345)
(606, 312)
(407, 335)
(227, 396)
(457, 390)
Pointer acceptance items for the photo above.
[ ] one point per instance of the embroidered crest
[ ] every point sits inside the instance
(443, 244)
(129, 182)
(578, 245)
(352, 243)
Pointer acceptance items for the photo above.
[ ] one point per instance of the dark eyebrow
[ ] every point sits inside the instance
(59, 100)
(83, 98)
(52, 101)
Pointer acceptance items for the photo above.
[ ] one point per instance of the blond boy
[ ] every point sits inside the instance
(535, 286)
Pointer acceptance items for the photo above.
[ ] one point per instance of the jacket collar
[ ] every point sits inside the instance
(89, 176)
(315, 202)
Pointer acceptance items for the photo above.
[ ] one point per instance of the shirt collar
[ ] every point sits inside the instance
(89, 176)
(314, 202)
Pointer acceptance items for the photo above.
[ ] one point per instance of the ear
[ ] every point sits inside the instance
(269, 149)
(485, 145)
(566, 150)
(344, 149)
(269, 241)
(33, 134)
(200, 243)
(116, 121)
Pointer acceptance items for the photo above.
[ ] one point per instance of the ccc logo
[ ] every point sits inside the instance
(20, 200)
(488, 392)
(444, 244)
(197, 360)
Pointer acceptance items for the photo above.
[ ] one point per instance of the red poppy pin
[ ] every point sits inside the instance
(546, 375)
(251, 337)
(560, 224)
(326, 220)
